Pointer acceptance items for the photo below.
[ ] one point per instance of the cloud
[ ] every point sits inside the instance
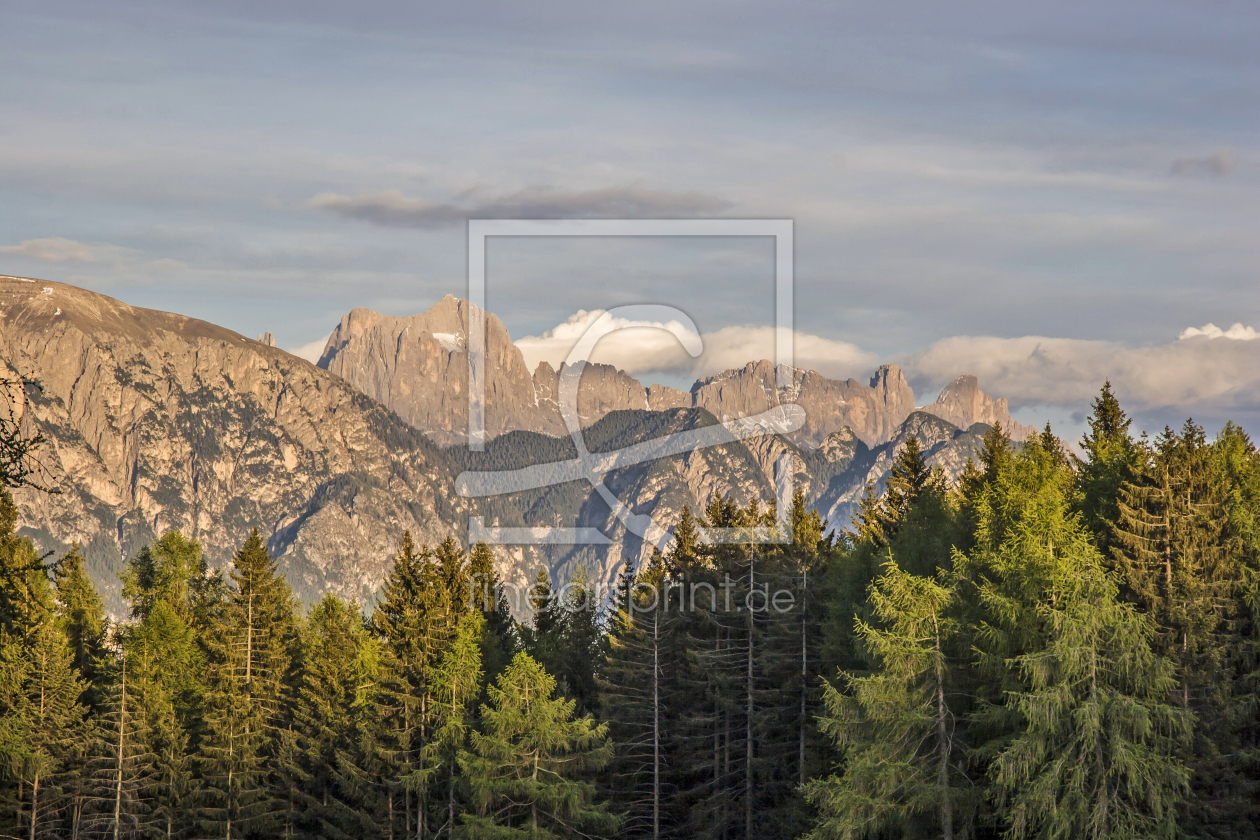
(1194, 373)
(60, 249)
(642, 348)
(1218, 165)
(1237, 332)
(312, 351)
(392, 209)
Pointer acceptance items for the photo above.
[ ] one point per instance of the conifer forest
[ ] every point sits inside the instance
(1054, 646)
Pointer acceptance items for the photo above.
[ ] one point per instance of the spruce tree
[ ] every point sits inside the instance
(1170, 543)
(249, 687)
(643, 654)
(524, 767)
(80, 614)
(1097, 756)
(339, 665)
(120, 783)
(52, 729)
(415, 617)
(499, 642)
(169, 570)
(1112, 458)
(542, 638)
(165, 665)
(457, 685)
(896, 725)
(581, 643)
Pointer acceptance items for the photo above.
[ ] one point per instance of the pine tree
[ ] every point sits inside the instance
(247, 697)
(52, 728)
(80, 614)
(168, 570)
(643, 652)
(523, 767)
(1112, 458)
(896, 725)
(457, 685)
(339, 664)
(416, 619)
(1170, 543)
(1097, 756)
(117, 795)
(499, 642)
(165, 665)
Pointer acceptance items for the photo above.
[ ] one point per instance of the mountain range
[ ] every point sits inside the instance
(159, 421)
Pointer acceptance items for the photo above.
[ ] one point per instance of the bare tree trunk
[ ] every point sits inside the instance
(227, 805)
(656, 730)
(422, 794)
(804, 671)
(533, 805)
(943, 743)
(249, 638)
(34, 804)
(748, 713)
(122, 727)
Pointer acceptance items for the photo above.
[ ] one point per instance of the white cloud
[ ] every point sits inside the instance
(641, 347)
(1194, 373)
(1237, 332)
(312, 351)
(1216, 165)
(392, 208)
(60, 249)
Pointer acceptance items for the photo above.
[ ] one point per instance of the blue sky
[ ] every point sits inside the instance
(963, 176)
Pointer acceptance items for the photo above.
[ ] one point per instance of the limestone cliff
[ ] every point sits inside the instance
(963, 404)
(417, 366)
(158, 421)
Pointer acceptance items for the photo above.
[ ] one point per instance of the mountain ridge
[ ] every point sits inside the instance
(158, 421)
(417, 365)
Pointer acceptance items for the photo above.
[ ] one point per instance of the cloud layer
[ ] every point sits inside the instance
(1216, 165)
(392, 209)
(59, 249)
(1207, 371)
(642, 348)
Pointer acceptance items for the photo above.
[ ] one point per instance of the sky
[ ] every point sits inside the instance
(1043, 195)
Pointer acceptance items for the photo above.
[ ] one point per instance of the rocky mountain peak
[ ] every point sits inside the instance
(963, 404)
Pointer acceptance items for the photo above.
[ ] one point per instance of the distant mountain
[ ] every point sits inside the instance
(417, 366)
(159, 421)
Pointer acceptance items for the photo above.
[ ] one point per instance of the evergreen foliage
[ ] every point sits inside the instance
(1053, 647)
(523, 768)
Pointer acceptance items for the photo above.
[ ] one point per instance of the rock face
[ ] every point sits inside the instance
(963, 404)
(417, 366)
(872, 412)
(159, 421)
